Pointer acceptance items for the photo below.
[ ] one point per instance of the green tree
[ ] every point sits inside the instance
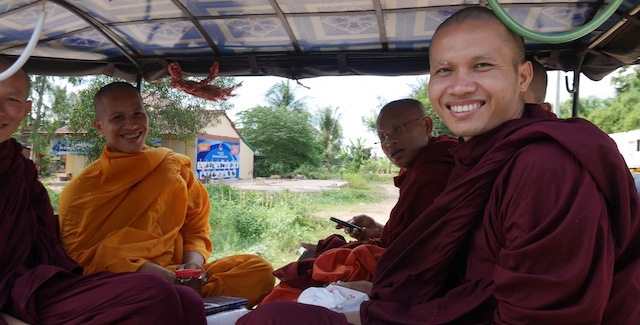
(283, 95)
(284, 138)
(617, 114)
(327, 121)
(38, 129)
(421, 93)
(171, 111)
(586, 106)
(355, 155)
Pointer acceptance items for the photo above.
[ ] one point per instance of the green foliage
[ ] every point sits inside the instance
(343, 196)
(316, 172)
(284, 139)
(282, 95)
(421, 93)
(327, 121)
(586, 106)
(170, 111)
(269, 224)
(38, 128)
(355, 155)
(370, 121)
(377, 166)
(273, 224)
(612, 115)
(54, 197)
(174, 112)
(356, 181)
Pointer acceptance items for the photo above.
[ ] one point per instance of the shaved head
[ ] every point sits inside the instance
(407, 105)
(538, 87)
(112, 89)
(5, 63)
(482, 14)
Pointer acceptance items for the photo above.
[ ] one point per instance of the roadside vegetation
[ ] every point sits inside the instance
(273, 224)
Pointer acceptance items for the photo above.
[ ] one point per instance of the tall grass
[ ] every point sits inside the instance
(54, 196)
(271, 224)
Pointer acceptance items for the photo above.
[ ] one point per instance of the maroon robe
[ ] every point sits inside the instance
(545, 213)
(419, 184)
(40, 284)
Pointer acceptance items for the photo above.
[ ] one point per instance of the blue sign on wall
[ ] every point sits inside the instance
(65, 146)
(217, 160)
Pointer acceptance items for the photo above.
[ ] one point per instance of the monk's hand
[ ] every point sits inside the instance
(353, 317)
(194, 260)
(370, 228)
(150, 267)
(362, 286)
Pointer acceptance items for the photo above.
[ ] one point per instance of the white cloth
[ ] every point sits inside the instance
(334, 297)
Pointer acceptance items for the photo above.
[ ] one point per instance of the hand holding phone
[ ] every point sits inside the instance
(345, 224)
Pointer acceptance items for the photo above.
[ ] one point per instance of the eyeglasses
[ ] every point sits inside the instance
(384, 136)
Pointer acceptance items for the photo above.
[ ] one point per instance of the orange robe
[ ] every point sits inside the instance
(126, 209)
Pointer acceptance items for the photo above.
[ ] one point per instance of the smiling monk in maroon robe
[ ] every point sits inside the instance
(39, 283)
(544, 211)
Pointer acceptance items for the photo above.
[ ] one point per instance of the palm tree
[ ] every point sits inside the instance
(328, 123)
(282, 95)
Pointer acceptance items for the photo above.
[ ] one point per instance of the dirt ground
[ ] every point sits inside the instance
(378, 211)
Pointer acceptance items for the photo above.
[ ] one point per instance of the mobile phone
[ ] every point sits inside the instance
(345, 224)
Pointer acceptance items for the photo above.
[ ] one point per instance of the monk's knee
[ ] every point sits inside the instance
(192, 305)
(285, 313)
(168, 303)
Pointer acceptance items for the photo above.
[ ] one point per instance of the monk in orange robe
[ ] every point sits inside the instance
(142, 209)
(39, 283)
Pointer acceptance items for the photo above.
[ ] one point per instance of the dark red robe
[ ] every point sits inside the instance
(40, 284)
(419, 184)
(544, 212)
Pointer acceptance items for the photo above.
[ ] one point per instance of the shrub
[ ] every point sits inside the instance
(269, 224)
(356, 181)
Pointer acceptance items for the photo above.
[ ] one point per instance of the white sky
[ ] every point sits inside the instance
(356, 96)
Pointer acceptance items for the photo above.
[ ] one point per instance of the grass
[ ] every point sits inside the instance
(273, 224)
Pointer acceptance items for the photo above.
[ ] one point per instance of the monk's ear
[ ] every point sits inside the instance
(428, 123)
(27, 108)
(525, 75)
(98, 126)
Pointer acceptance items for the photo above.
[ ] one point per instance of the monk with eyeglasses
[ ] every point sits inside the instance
(405, 133)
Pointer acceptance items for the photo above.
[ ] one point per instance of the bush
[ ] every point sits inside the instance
(269, 224)
(356, 181)
(315, 172)
(54, 198)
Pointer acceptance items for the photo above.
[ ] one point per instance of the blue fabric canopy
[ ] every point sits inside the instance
(289, 38)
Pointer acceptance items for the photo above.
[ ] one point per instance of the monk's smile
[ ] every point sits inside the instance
(464, 108)
(132, 136)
